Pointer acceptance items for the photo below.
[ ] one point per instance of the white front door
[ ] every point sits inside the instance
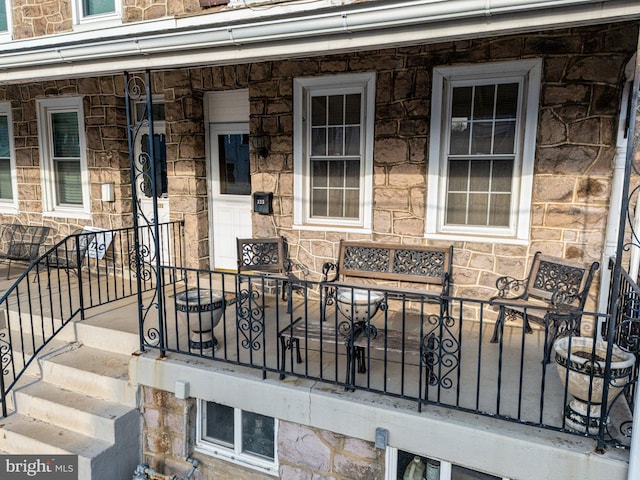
(146, 214)
(229, 175)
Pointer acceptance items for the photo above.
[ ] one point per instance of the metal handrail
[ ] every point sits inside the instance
(45, 298)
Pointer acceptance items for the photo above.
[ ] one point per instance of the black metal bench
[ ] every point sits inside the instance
(405, 264)
(553, 294)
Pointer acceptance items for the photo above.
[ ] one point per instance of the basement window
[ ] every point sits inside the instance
(238, 436)
(401, 463)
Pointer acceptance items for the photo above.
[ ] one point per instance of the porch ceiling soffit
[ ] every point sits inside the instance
(291, 30)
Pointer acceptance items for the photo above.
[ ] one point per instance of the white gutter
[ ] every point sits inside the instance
(250, 34)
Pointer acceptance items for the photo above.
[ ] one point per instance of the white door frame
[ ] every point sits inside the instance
(226, 111)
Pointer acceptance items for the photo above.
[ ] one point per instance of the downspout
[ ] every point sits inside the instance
(615, 202)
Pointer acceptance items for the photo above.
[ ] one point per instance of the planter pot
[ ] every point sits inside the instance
(358, 305)
(585, 379)
(199, 311)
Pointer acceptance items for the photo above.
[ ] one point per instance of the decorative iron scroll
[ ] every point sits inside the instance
(250, 319)
(142, 258)
(413, 262)
(441, 351)
(263, 253)
(6, 354)
(366, 259)
(554, 277)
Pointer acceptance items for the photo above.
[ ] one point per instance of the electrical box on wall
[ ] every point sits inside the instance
(262, 202)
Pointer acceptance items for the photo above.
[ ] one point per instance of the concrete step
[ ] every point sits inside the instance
(74, 411)
(97, 459)
(105, 338)
(91, 371)
(23, 348)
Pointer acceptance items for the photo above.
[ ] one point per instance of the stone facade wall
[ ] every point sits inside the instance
(303, 452)
(580, 92)
(32, 18)
(107, 150)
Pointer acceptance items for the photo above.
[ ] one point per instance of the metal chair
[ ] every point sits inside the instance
(554, 294)
(69, 254)
(22, 243)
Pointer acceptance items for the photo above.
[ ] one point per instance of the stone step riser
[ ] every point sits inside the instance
(75, 419)
(107, 388)
(19, 444)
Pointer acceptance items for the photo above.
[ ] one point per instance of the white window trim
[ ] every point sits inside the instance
(10, 206)
(47, 171)
(235, 455)
(91, 22)
(301, 196)
(531, 72)
(391, 463)
(7, 36)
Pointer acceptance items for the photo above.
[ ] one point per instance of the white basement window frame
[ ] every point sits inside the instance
(65, 175)
(348, 148)
(434, 469)
(231, 447)
(511, 222)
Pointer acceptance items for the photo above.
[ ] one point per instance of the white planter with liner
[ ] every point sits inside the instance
(585, 379)
(199, 311)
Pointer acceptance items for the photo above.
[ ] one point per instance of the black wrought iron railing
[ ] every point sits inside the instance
(82, 271)
(419, 347)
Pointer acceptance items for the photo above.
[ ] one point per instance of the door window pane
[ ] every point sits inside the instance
(233, 164)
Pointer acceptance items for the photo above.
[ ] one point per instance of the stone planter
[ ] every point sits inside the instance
(199, 311)
(358, 305)
(585, 374)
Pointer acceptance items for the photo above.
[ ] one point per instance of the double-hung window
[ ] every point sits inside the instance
(333, 151)
(8, 177)
(238, 436)
(92, 11)
(63, 157)
(483, 130)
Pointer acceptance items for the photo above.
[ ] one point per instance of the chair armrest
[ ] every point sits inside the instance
(510, 288)
(328, 268)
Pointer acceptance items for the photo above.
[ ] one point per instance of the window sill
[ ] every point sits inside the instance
(9, 209)
(90, 24)
(332, 228)
(80, 215)
(474, 238)
(240, 460)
